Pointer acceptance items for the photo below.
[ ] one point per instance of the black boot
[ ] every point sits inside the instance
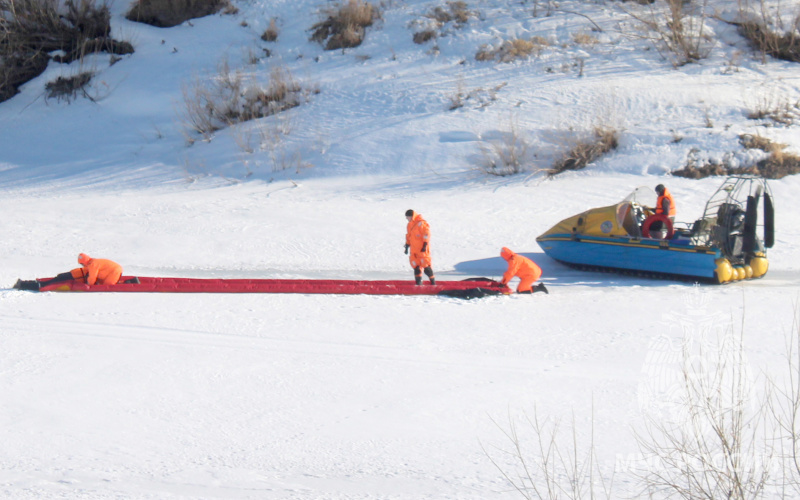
(418, 280)
(429, 274)
(540, 288)
(30, 285)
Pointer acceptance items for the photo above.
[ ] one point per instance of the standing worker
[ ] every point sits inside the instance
(525, 269)
(418, 237)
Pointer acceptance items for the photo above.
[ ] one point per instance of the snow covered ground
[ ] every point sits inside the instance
(356, 397)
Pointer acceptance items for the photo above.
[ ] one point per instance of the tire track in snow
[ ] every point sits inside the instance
(218, 340)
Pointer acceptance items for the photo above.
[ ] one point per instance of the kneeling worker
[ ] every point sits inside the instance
(525, 269)
(97, 271)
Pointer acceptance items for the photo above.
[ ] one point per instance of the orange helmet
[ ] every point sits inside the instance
(83, 259)
(506, 253)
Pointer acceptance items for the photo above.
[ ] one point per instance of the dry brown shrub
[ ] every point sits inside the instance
(30, 30)
(438, 19)
(784, 46)
(230, 97)
(777, 109)
(345, 25)
(749, 141)
(67, 88)
(508, 155)
(455, 12)
(168, 13)
(585, 151)
(510, 50)
(421, 37)
(776, 165)
(271, 33)
(677, 28)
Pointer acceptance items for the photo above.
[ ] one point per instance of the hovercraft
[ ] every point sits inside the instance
(721, 246)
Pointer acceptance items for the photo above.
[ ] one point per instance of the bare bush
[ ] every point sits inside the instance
(718, 442)
(231, 97)
(508, 155)
(345, 24)
(168, 13)
(456, 12)
(778, 109)
(67, 88)
(677, 28)
(586, 150)
(437, 21)
(767, 32)
(510, 50)
(423, 36)
(478, 97)
(546, 469)
(32, 30)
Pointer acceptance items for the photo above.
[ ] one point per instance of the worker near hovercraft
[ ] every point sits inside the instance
(418, 248)
(665, 205)
(524, 268)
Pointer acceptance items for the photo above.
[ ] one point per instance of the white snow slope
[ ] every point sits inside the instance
(359, 397)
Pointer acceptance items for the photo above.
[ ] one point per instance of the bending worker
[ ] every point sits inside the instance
(97, 271)
(525, 269)
(418, 237)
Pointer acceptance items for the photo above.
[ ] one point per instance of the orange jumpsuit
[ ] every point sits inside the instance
(418, 232)
(520, 266)
(97, 271)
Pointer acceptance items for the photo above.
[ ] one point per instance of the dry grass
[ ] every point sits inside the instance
(478, 97)
(231, 97)
(771, 42)
(345, 25)
(677, 28)
(438, 19)
(585, 151)
(30, 30)
(585, 39)
(168, 13)
(775, 108)
(749, 141)
(510, 50)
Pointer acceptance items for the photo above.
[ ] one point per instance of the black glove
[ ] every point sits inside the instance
(425, 246)
(406, 249)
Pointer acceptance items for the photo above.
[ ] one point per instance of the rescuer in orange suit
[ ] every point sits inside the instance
(665, 205)
(93, 272)
(525, 269)
(97, 271)
(418, 237)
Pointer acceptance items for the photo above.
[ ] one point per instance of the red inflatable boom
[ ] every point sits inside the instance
(476, 287)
